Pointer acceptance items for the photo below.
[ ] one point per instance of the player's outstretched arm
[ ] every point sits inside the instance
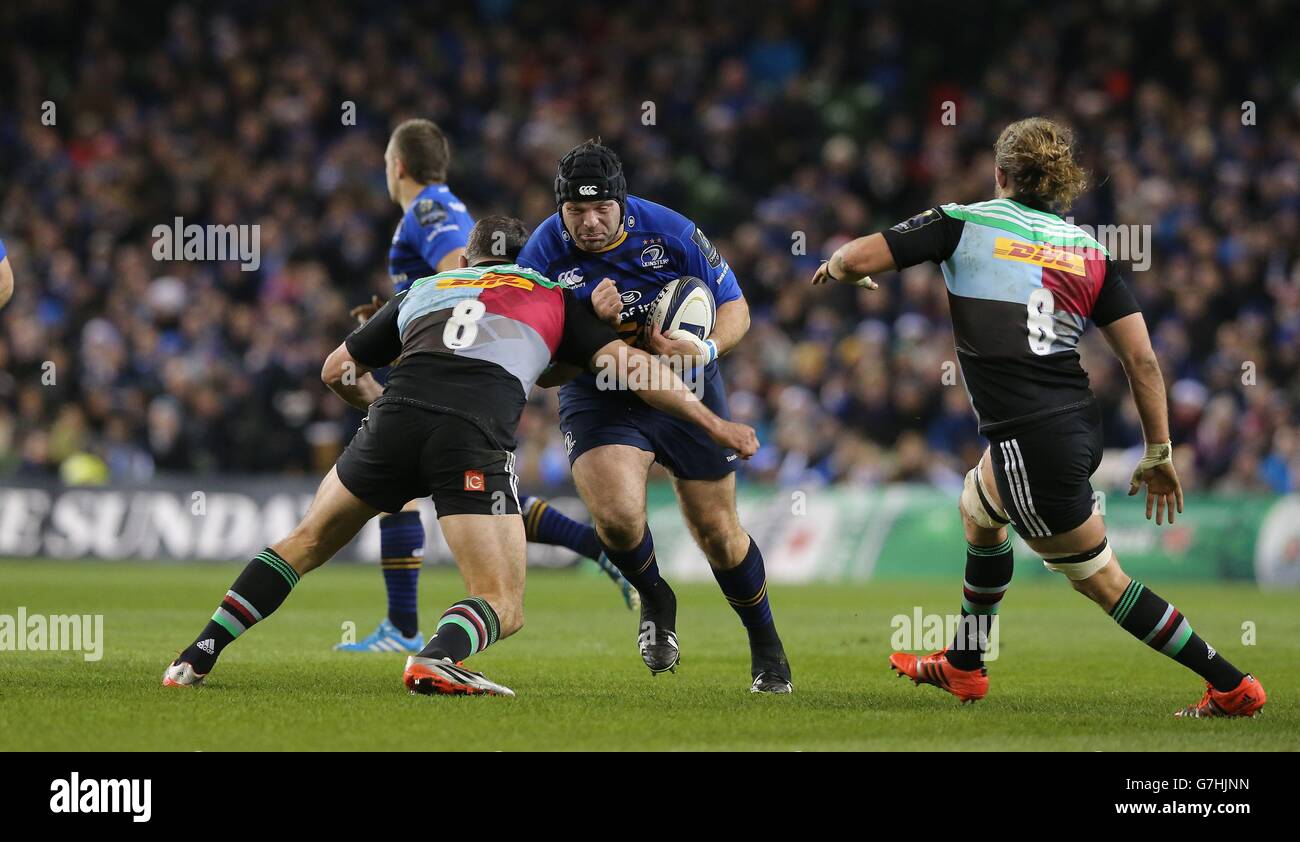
(1131, 343)
(658, 385)
(855, 262)
(6, 282)
(350, 379)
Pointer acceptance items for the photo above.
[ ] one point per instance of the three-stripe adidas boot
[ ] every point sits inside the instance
(967, 685)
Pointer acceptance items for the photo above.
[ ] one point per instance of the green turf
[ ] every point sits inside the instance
(1067, 678)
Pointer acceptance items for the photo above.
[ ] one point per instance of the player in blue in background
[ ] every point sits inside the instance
(431, 238)
(6, 277)
(617, 252)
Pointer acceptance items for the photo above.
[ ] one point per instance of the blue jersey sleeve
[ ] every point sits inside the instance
(433, 231)
(2, 250)
(702, 260)
(540, 248)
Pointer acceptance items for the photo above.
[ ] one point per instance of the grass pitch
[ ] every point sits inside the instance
(1067, 677)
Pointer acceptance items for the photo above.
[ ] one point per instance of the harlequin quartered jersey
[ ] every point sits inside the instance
(511, 316)
(473, 341)
(436, 224)
(1023, 284)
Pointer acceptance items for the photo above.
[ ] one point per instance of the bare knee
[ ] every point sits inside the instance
(721, 538)
(978, 535)
(621, 527)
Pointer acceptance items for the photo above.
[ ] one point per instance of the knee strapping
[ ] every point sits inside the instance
(1079, 566)
(976, 504)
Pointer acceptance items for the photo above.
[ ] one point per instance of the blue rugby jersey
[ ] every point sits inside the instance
(658, 245)
(435, 224)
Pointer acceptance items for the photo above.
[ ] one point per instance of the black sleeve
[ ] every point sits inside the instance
(584, 334)
(932, 235)
(1114, 300)
(377, 343)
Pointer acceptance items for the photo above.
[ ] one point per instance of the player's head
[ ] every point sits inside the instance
(495, 239)
(1034, 164)
(417, 151)
(591, 194)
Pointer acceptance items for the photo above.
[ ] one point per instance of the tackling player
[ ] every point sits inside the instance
(617, 252)
(1022, 286)
(430, 239)
(470, 344)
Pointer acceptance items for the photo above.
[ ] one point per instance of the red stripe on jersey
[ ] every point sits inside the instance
(1077, 293)
(541, 308)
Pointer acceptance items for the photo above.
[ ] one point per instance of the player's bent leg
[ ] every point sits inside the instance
(959, 669)
(1084, 556)
(401, 553)
(333, 519)
(709, 509)
(989, 566)
(611, 481)
(544, 524)
(491, 552)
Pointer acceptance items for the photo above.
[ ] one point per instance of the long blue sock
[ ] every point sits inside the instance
(401, 543)
(544, 524)
(745, 587)
(639, 566)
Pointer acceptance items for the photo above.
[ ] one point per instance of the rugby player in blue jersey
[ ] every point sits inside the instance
(470, 345)
(616, 252)
(431, 239)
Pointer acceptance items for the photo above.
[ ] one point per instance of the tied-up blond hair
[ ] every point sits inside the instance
(1037, 155)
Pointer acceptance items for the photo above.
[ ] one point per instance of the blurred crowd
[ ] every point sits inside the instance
(781, 128)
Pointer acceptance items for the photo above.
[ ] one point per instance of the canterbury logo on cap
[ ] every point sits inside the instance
(587, 190)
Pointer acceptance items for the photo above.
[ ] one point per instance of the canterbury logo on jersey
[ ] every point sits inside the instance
(570, 277)
(1005, 248)
(485, 281)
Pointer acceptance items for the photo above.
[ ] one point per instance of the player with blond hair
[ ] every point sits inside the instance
(1022, 286)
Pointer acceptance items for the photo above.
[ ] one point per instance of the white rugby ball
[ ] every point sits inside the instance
(684, 304)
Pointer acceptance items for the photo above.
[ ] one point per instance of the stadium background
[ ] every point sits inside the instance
(196, 377)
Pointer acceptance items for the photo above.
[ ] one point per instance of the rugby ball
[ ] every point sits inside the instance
(684, 304)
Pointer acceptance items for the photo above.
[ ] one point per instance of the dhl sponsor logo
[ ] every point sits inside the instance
(1052, 257)
(486, 281)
